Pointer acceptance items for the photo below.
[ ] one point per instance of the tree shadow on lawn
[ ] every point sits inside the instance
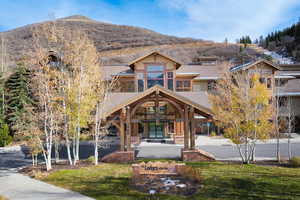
(247, 188)
(115, 188)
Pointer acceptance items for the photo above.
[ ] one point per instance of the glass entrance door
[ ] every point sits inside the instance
(156, 130)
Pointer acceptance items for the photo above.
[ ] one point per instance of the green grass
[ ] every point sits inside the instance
(221, 181)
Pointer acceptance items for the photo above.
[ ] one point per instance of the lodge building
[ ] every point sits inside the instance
(160, 99)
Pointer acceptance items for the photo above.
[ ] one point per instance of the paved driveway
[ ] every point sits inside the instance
(16, 186)
(222, 152)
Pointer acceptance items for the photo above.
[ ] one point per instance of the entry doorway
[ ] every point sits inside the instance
(156, 130)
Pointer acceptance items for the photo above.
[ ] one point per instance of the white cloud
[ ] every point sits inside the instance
(217, 19)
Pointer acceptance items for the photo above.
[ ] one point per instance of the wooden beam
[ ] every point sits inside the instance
(122, 130)
(193, 128)
(186, 127)
(128, 127)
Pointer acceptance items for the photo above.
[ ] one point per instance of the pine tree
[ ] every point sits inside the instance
(18, 95)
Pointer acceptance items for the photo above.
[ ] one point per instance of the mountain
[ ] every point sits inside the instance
(285, 42)
(119, 44)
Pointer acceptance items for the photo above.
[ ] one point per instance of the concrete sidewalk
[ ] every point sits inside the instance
(16, 186)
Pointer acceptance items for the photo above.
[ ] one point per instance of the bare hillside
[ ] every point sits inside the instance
(119, 44)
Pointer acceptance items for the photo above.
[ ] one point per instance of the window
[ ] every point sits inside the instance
(269, 83)
(155, 75)
(211, 85)
(280, 82)
(183, 85)
(171, 127)
(140, 85)
(170, 80)
(282, 101)
(140, 81)
(262, 80)
(127, 86)
(155, 68)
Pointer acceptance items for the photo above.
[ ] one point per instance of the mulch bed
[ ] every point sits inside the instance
(164, 184)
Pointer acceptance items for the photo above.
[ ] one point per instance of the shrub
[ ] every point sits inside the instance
(91, 159)
(5, 138)
(190, 173)
(2, 198)
(213, 134)
(295, 162)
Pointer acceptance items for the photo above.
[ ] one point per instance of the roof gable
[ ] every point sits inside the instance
(165, 91)
(253, 64)
(155, 53)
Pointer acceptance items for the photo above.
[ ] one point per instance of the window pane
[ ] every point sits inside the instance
(170, 74)
(140, 85)
(187, 84)
(178, 84)
(155, 75)
(140, 75)
(127, 86)
(170, 84)
(269, 83)
(151, 83)
(152, 68)
(262, 80)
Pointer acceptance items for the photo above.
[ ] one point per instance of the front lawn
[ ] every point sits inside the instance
(221, 181)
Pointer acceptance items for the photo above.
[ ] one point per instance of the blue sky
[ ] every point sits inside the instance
(204, 19)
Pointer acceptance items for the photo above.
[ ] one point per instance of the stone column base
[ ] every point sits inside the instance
(196, 155)
(119, 157)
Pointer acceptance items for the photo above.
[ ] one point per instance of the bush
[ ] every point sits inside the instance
(295, 162)
(213, 134)
(2, 198)
(5, 138)
(91, 159)
(190, 173)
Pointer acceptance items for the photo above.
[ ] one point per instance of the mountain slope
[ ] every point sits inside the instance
(285, 42)
(118, 43)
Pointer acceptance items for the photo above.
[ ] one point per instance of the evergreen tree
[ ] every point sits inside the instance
(5, 138)
(18, 96)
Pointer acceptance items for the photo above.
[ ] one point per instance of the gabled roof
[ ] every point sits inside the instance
(253, 63)
(116, 104)
(154, 53)
(202, 72)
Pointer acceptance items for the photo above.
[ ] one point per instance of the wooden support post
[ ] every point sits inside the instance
(193, 128)
(128, 127)
(186, 127)
(122, 130)
(156, 108)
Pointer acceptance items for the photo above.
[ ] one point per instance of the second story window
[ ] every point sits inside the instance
(282, 101)
(127, 86)
(281, 82)
(155, 75)
(170, 80)
(269, 83)
(140, 82)
(211, 85)
(183, 85)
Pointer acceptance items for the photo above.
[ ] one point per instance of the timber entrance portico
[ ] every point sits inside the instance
(157, 113)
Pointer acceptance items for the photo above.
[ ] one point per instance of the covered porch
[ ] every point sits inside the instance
(157, 114)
